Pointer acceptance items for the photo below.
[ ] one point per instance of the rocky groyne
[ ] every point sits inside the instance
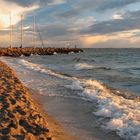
(20, 118)
(17, 52)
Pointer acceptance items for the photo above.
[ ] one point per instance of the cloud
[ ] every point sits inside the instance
(54, 30)
(110, 4)
(81, 23)
(95, 22)
(132, 15)
(57, 2)
(117, 16)
(15, 11)
(28, 3)
(124, 21)
(112, 26)
(68, 14)
(109, 40)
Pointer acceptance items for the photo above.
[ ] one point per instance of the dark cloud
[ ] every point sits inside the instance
(110, 4)
(69, 14)
(132, 15)
(53, 30)
(79, 7)
(96, 5)
(26, 3)
(112, 26)
(101, 5)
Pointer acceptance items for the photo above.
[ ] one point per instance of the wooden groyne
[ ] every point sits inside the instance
(17, 52)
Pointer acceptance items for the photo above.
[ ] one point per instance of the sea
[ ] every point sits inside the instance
(94, 95)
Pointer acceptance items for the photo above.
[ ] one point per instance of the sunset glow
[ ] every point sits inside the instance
(62, 21)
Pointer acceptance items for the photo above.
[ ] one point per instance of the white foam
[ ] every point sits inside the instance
(55, 53)
(76, 85)
(71, 52)
(81, 66)
(41, 69)
(123, 114)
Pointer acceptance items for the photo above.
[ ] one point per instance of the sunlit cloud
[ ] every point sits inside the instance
(15, 10)
(117, 16)
(90, 40)
(61, 21)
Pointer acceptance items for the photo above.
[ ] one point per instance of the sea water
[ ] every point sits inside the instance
(94, 95)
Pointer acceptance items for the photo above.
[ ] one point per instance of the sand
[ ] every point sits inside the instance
(56, 130)
(21, 114)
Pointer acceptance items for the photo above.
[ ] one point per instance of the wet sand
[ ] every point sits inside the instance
(57, 131)
(77, 121)
(20, 115)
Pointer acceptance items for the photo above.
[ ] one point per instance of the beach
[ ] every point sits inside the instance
(20, 115)
(90, 95)
(70, 70)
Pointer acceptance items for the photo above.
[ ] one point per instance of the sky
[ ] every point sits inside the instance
(86, 23)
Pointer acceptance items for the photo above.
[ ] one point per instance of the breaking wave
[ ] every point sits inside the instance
(85, 66)
(121, 110)
(40, 68)
(81, 66)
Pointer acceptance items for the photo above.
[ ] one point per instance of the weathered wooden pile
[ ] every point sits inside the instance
(16, 52)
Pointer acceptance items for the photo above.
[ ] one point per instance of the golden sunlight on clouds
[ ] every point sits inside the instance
(94, 39)
(117, 16)
(15, 11)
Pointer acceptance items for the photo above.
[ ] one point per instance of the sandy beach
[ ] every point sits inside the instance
(70, 92)
(20, 115)
(57, 131)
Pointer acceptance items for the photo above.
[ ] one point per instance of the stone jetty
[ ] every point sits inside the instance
(17, 52)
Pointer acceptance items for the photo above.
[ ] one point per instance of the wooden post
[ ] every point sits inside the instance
(21, 32)
(10, 31)
(34, 33)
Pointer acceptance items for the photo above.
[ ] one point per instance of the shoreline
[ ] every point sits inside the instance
(21, 115)
(56, 130)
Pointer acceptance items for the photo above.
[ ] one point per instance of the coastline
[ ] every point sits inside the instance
(56, 130)
(21, 115)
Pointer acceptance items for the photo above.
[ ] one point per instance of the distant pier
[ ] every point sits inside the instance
(17, 52)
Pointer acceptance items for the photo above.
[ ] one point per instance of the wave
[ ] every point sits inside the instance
(120, 109)
(42, 69)
(86, 66)
(81, 66)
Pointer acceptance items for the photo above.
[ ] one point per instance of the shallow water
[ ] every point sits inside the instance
(90, 93)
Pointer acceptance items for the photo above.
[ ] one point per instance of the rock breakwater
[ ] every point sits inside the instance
(17, 52)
